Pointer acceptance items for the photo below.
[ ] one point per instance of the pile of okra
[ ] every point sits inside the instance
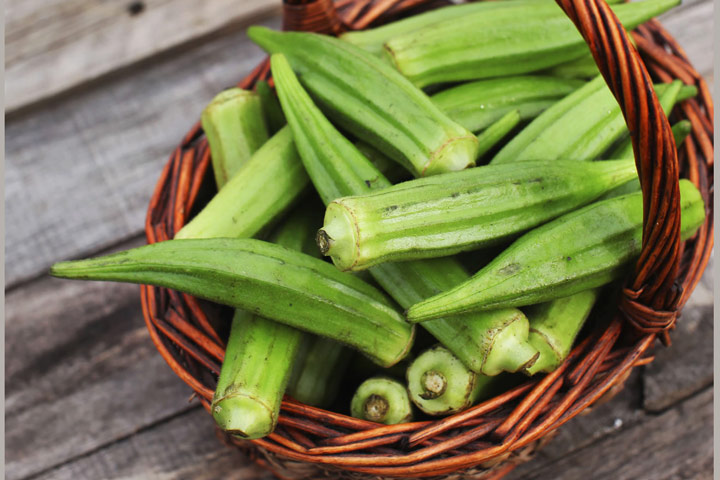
(474, 197)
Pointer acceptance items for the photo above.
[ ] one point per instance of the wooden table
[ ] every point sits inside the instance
(98, 93)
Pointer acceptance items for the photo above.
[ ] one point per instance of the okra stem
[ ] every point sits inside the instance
(381, 400)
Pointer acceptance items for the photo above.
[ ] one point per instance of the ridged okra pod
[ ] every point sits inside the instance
(235, 129)
(446, 214)
(374, 102)
(439, 384)
(554, 326)
(581, 126)
(270, 106)
(337, 169)
(494, 43)
(584, 249)
(381, 400)
(259, 192)
(319, 372)
(492, 135)
(373, 39)
(265, 279)
(259, 357)
(476, 105)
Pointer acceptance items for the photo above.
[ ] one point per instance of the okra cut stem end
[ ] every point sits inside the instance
(243, 416)
(381, 400)
(337, 238)
(511, 351)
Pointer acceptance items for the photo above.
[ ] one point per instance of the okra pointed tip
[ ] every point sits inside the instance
(243, 416)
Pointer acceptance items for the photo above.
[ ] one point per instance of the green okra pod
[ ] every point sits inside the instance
(259, 192)
(268, 280)
(270, 107)
(374, 102)
(477, 105)
(235, 130)
(373, 39)
(494, 43)
(439, 383)
(554, 326)
(381, 400)
(581, 126)
(259, 357)
(254, 375)
(584, 249)
(338, 169)
(579, 68)
(490, 137)
(446, 214)
(319, 372)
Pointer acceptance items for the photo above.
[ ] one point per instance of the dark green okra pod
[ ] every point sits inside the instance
(338, 169)
(381, 400)
(320, 368)
(270, 107)
(268, 280)
(374, 102)
(584, 249)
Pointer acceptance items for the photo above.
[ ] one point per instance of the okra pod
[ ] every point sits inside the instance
(584, 249)
(588, 121)
(373, 39)
(374, 102)
(268, 280)
(490, 44)
(446, 214)
(439, 383)
(259, 357)
(579, 68)
(338, 169)
(554, 326)
(477, 105)
(381, 400)
(490, 137)
(319, 372)
(271, 107)
(235, 130)
(258, 193)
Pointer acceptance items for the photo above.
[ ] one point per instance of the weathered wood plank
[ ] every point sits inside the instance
(184, 447)
(54, 45)
(687, 366)
(676, 444)
(102, 149)
(81, 372)
(79, 173)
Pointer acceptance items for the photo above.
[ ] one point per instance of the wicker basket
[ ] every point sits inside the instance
(489, 439)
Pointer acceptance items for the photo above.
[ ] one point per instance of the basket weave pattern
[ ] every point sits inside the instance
(487, 440)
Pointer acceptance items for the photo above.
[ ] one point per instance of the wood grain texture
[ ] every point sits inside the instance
(80, 172)
(81, 372)
(184, 447)
(102, 149)
(674, 445)
(53, 45)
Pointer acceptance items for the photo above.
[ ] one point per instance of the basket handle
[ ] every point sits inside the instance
(650, 297)
(318, 16)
